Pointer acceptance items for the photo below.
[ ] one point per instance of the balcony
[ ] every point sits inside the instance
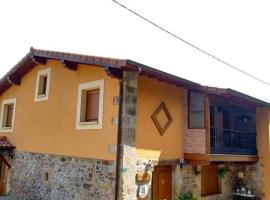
(227, 141)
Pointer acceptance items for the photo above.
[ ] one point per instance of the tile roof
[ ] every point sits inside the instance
(5, 144)
(70, 60)
(114, 67)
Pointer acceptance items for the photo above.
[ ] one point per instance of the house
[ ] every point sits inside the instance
(84, 127)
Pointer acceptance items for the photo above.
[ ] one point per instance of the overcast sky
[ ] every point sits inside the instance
(236, 31)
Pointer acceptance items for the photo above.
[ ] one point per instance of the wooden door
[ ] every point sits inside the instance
(162, 183)
(209, 180)
(3, 178)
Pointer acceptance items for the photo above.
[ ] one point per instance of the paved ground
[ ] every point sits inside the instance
(9, 198)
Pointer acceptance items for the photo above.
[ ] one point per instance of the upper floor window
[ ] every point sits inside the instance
(90, 105)
(8, 115)
(42, 85)
(196, 110)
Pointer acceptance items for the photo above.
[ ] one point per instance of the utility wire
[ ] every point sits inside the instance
(192, 45)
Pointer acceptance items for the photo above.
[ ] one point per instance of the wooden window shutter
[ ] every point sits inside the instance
(92, 105)
(209, 180)
(10, 108)
(42, 85)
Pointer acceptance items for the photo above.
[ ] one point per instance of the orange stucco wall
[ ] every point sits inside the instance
(49, 126)
(263, 145)
(150, 144)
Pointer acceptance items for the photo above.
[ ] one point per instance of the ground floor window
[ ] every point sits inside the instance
(209, 180)
(7, 115)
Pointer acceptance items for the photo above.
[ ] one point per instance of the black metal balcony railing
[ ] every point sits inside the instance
(225, 141)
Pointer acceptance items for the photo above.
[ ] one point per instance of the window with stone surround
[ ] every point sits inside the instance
(8, 115)
(42, 85)
(90, 105)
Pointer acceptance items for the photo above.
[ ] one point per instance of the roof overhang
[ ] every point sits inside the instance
(233, 95)
(114, 67)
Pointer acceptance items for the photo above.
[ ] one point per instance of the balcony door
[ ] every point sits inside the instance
(220, 117)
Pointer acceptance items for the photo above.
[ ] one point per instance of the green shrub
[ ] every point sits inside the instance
(186, 196)
(221, 172)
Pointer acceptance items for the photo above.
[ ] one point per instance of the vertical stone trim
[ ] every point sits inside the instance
(127, 189)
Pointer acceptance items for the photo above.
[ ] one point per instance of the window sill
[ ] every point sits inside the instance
(41, 95)
(6, 129)
(89, 125)
(41, 98)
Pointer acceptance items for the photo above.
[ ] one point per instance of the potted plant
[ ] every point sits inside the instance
(187, 196)
(221, 172)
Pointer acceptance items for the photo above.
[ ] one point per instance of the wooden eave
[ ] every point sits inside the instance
(234, 96)
(113, 67)
(201, 159)
(162, 76)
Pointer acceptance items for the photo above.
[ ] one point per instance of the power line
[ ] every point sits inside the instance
(192, 45)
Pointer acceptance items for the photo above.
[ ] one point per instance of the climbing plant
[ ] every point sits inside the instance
(186, 196)
(221, 172)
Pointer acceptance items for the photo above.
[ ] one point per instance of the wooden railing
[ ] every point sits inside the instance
(226, 141)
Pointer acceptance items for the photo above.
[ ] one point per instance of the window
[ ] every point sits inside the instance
(90, 105)
(8, 115)
(209, 180)
(196, 110)
(42, 85)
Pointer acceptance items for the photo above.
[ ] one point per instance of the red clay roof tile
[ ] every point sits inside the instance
(5, 144)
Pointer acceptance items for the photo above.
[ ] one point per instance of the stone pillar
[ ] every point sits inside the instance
(126, 170)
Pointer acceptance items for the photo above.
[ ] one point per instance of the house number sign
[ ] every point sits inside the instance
(143, 191)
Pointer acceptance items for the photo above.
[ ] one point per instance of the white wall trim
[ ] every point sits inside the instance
(89, 86)
(7, 101)
(39, 74)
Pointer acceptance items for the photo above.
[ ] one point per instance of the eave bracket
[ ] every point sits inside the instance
(69, 65)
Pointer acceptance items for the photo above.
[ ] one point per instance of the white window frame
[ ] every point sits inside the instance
(40, 73)
(99, 84)
(5, 102)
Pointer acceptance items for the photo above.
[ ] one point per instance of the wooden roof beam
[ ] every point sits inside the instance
(5, 161)
(69, 65)
(14, 80)
(39, 60)
(114, 72)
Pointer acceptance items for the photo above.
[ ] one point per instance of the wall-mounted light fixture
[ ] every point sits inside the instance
(182, 163)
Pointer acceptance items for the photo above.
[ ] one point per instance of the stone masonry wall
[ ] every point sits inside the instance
(42, 176)
(252, 178)
(188, 180)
